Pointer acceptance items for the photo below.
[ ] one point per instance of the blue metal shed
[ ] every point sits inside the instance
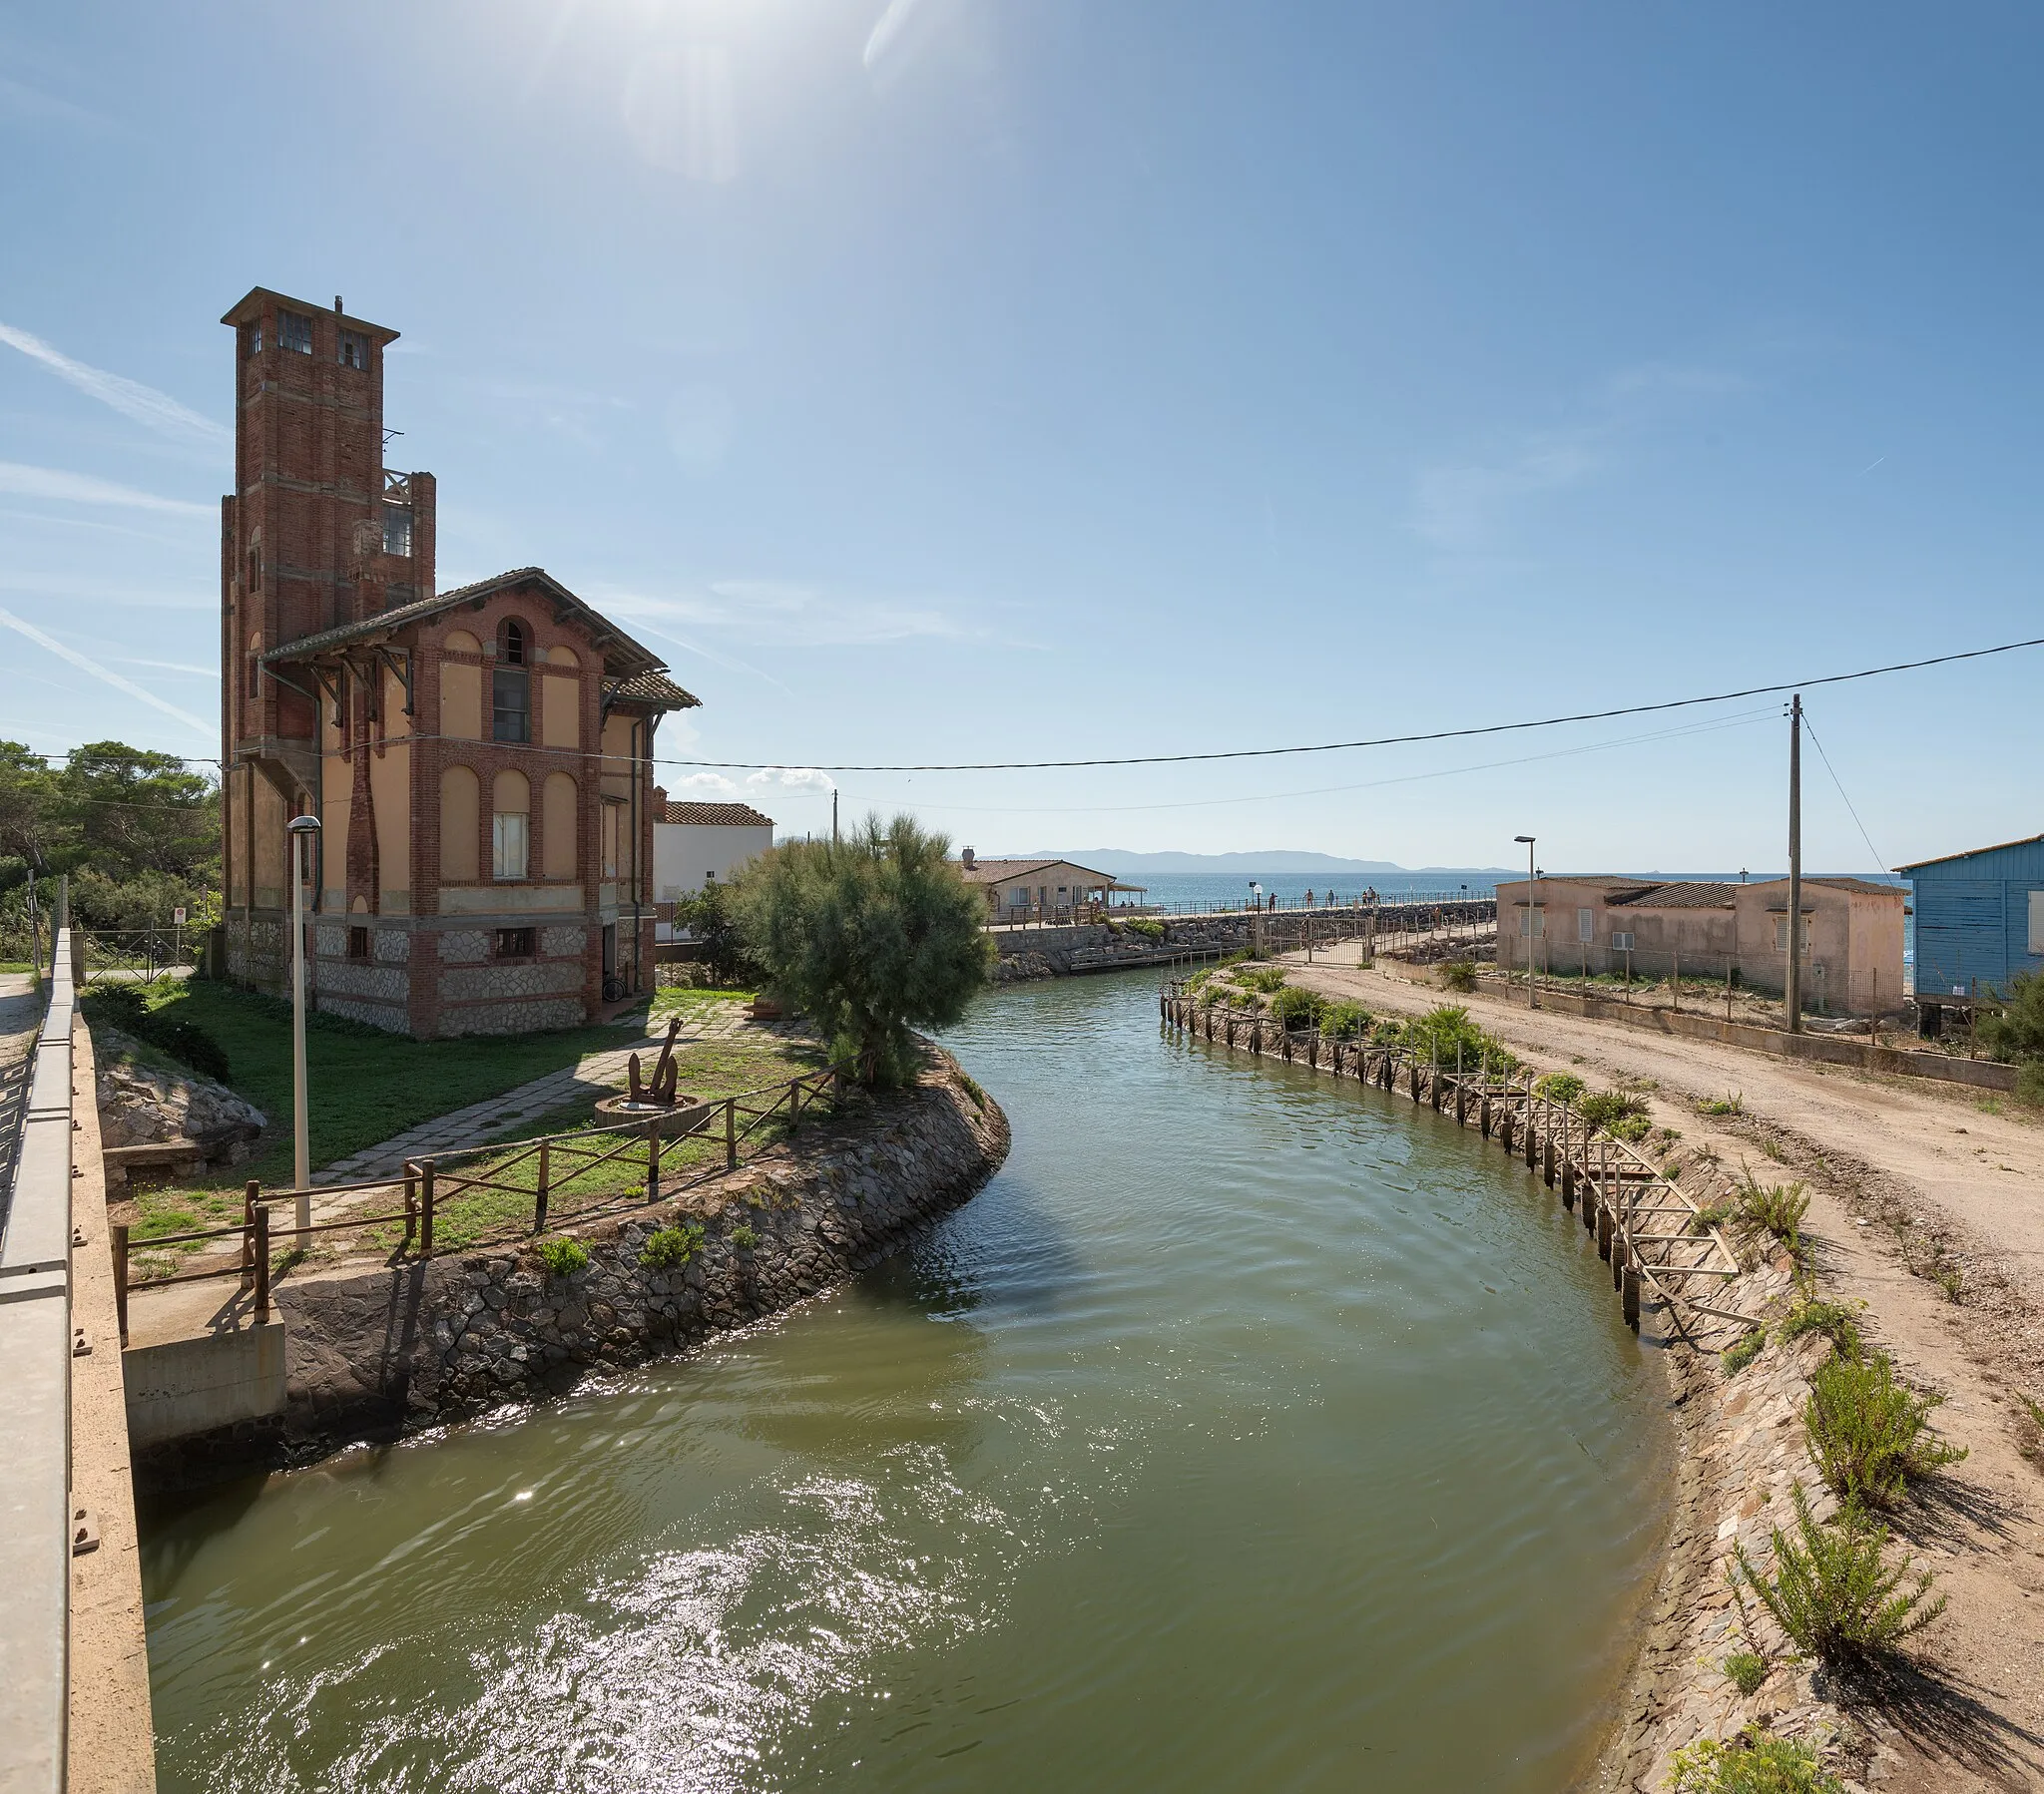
(1979, 918)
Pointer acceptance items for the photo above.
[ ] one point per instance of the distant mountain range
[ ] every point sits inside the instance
(1124, 864)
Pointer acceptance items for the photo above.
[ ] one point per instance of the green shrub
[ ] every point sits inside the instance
(1869, 1434)
(1737, 1357)
(1712, 1214)
(971, 1088)
(1775, 1209)
(562, 1257)
(1832, 1589)
(1834, 1320)
(1342, 1019)
(1459, 974)
(1560, 1087)
(744, 1238)
(1603, 1109)
(1746, 1670)
(1733, 1102)
(1756, 1762)
(1447, 1030)
(1630, 1128)
(2030, 1082)
(1148, 927)
(1266, 978)
(1297, 1009)
(672, 1248)
(2016, 1035)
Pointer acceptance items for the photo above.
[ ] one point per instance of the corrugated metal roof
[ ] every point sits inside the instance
(1948, 859)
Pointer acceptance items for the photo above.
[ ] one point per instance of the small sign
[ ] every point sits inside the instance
(178, 915)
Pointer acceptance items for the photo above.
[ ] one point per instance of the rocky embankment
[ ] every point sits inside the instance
(388, 1352)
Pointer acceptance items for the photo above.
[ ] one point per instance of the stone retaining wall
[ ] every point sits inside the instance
(393, 1351)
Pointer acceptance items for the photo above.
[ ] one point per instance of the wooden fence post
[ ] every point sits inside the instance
(261, 1261)
(411, 1204)
(538, 1197)
(730, 1133)
(652, 1161)
(795, 1104)
(426, 1209)
(119, 1238)
(249, 1191)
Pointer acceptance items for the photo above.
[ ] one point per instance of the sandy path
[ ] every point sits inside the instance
(1899, 1172)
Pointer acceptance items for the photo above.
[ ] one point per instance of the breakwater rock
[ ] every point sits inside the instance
(393, 1351)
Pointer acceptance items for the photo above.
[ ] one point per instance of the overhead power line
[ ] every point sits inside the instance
(1439, 734)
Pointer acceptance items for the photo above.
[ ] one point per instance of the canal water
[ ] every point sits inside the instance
(1249, 1430)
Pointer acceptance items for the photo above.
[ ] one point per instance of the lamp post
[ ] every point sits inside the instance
(304, 831)
(1532, 914)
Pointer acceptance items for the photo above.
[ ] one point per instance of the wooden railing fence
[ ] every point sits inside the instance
(557, 1161)
(1652, 1232)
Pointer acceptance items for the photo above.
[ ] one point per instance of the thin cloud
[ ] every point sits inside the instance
(32, 106)
(105, 592)
(887, 32)
(710, 784)
(212, 672)
(1462, 506)
(144, 405)
(88, 489)
(105, 674)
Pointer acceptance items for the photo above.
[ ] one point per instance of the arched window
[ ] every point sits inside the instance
(510, 825)
(511, 684)
(255, 665)
(559, 823)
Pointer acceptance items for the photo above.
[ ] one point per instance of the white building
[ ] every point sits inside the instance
(695, 844)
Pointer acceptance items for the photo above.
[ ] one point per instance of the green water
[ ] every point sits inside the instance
(1250, 1431)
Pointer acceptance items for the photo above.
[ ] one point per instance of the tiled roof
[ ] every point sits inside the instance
(1866, 887)
(1678, 894)
(992, 872)
(622, 656)
(714, 815)
(653, 688)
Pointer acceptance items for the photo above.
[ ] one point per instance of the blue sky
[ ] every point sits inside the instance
(947, 380)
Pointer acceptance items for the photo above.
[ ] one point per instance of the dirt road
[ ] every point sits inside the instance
(1927, 1205)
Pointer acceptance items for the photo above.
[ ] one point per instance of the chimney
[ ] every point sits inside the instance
(967, 859)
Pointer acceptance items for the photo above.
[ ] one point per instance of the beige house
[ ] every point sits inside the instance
(1852, 933)
(1037, 890)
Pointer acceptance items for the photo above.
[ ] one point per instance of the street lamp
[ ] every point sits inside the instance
(1532, 914)
(303, 830)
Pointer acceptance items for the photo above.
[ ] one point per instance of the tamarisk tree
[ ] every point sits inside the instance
(870, 937)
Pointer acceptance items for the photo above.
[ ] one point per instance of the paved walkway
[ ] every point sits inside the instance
(593, 1074)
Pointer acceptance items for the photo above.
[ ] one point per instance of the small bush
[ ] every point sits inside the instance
(1606, 1108)
(1950, 1277)
(1733, 1102)
(1560, 1087)
(1775, 1209)
(1834, 1320)
(743, 1237)
(670, 1247)
(2017, 1033)
(1148, 927)
(1756, 1762)
(562, 1257)
(1266, 978)
(1630, 1128)
(970, 1085)
(1445, 1031)
(1746, 1670)
(1343, 1020)
(1296, 1008)
(1459, 974)
(1870, 1434)
(1834, 1592)
(1739, 1355)
(2030, 1430)
(1712, 1214)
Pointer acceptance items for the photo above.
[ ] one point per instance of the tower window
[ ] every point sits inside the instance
(511, 685)
(354, 350)
(255, 336)
(397, 530)
(295, 333)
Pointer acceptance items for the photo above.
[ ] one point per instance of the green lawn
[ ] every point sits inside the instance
(368, 1085)
(364, 1084)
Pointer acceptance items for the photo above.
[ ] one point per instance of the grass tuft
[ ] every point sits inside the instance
(562, 1257)
(671, 1248)
(1739, 1355)
(1746, 1670)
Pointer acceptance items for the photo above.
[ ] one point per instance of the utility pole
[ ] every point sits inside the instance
(1532, 916)
(1792, 997)
(833, 815)
(299, 831)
